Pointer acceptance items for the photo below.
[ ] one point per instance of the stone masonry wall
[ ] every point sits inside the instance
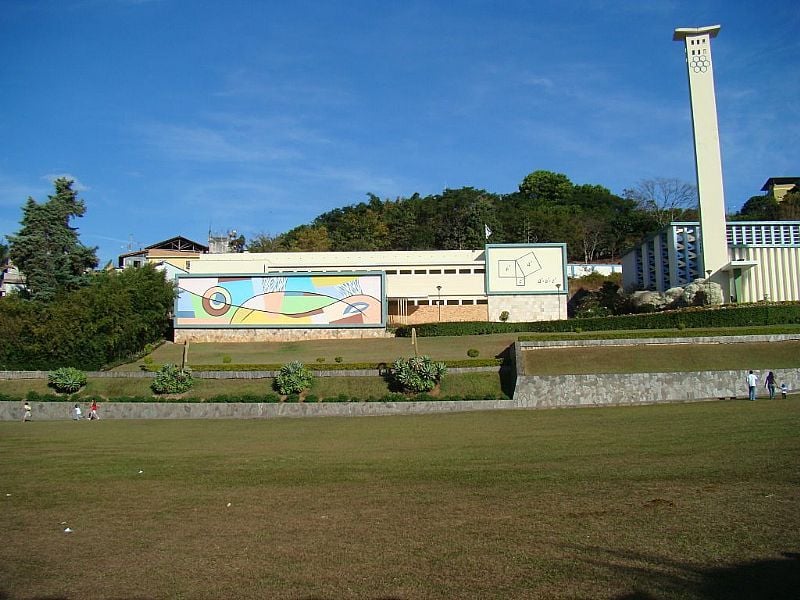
(430, 314)
(275, 335)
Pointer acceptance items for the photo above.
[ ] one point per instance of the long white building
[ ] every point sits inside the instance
(305, 295)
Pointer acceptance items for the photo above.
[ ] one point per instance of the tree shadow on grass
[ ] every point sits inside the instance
(656, 578)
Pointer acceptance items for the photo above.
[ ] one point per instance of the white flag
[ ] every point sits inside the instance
(487, 231)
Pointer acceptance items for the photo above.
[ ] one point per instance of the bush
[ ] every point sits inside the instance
(338, 359)
(293, 378)
(171, 379)
(728, 315)
(504, 316)
(473, 353)
(67, 380)
(417, 374)
(226, 359)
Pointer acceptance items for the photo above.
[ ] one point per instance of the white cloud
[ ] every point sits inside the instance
(77, 185)
(208, 144)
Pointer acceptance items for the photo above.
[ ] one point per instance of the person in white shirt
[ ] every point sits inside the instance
(752, 382)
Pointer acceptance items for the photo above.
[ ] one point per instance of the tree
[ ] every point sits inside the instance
(307, 238)
(46, 249)
(790, 206)
(3, 254)
(546, 186)
(759, 208)
(264, 242)
(666, 199)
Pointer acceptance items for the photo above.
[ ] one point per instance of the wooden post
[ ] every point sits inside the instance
(414, 339)
(185, 354)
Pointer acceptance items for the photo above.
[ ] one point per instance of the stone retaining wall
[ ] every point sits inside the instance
(604, 389)
(553, 391)
(61, 411)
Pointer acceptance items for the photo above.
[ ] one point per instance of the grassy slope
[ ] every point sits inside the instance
(666, 358)
(680, 501)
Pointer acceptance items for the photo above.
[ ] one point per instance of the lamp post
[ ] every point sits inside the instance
(558, 299)
(439, 294)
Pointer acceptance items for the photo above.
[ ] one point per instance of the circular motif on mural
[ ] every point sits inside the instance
(216, 301)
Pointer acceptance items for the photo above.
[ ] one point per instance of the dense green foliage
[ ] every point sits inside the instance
(739, 315)
(417, 374)
(548, 207)
(112, 317)
(171, 379)
(293, 378)
(47, 250)
(67, 380)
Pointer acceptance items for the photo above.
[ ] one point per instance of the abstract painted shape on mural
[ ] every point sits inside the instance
(319, 300)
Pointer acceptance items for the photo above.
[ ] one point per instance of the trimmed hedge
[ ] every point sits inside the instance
(379, 367)
(739, 315)
(665, 333)
(250, 398)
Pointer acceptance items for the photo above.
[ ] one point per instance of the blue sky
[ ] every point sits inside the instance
(174, 116)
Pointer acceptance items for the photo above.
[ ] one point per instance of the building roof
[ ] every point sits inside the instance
(682, 33)
(179, 243)
(772, 181)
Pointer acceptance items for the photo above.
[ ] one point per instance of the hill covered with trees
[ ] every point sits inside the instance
(547, 207)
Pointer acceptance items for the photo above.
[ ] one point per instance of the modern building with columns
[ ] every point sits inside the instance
(751, 261)
(318, 295)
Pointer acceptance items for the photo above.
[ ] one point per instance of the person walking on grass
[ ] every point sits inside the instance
(784, 390)
(93, 416)
(76, 413)
(769, 383)
(752, 382)
(26, 411)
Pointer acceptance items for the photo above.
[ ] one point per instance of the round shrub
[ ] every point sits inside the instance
(504, 316)
(171, 379)
(67, 380)
(417, 374)
(293, 378)
(473, 353)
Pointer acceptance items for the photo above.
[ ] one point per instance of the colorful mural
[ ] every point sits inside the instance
(281, 300)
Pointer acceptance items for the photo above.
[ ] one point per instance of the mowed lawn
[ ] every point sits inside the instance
(658, 358)
(674, 501)
(371, 350)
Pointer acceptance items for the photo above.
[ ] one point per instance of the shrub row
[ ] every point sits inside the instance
(251, 398)
(379, 367)
(739, 315)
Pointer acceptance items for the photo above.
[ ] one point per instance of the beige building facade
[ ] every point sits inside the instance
(313, 295)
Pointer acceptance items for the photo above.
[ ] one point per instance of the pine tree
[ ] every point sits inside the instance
(46, 249)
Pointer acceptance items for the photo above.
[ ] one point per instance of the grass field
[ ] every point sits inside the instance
(662, 358)
(675, 501)
(351, 351)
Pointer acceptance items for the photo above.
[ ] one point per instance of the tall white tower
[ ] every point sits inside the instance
(708, 162)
